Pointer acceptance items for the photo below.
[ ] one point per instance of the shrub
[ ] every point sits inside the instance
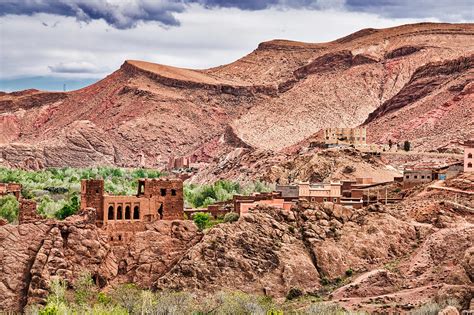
(231, 217)
(201, 220)
(293, 294)
(127, 296)
(321, 308)
(9, 208)
(69, 208)
(84, 288)
(349, 272)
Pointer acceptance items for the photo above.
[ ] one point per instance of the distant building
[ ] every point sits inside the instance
(412, 177)
(317, 192)
(345, 136)
(469, 156)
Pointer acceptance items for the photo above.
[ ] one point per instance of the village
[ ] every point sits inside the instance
(162, 198)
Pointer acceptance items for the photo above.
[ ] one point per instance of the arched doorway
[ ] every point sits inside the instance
(110, 215)
(136, 213)
(119, 213)
(127, 213)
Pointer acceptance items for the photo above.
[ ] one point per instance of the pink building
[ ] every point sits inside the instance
(469, 156)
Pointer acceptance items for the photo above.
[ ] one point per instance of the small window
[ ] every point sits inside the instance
(416, 176)
(112, 238)
(334, 200)
(97, 191)
(407, 177)
(120, 237)
(429, 176)
(325, 199)
(469, 156)
(312, 199)
(163, 191)
(469, 165)
(422, 176)
(173, 192)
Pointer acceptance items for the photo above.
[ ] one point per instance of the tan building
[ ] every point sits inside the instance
(347, 136)
(317, 192)
(469, 156)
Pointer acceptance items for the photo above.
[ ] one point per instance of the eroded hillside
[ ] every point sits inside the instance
(275, 97)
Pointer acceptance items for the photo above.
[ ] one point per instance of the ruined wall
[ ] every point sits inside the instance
(92, 191)
(27, 212)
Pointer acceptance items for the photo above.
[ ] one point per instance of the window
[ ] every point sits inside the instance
(312, 199)
(163, 191)
(407, 177)
(173, 192)
(429, 176)
(112, 238)
(119, 213)
(120, 237)
(127, 213)
(325, 199)
(422, 176)
(469, 165)
(416, 176)
(136, 213)
(334, 200)
(469, 156)
(111, 213)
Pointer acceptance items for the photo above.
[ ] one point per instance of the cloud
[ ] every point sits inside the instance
(125, 14)
(121, 14)
(75, 67)
(444, 10)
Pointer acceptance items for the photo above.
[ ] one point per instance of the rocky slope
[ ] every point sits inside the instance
(273, 98)
(380, 258)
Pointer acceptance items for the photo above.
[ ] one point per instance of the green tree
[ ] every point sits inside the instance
(69, 208)
(201, 220)
(9, 208)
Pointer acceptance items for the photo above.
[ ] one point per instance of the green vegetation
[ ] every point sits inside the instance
(9, 208)
(199, 196)
(231, 217)
(56, 190)
(86, 298)
(202, 220)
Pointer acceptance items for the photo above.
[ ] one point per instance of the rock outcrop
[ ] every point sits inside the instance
(66, 249)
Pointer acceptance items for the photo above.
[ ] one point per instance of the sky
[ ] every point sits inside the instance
(57, 44)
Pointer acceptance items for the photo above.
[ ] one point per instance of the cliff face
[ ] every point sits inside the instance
(399, 255)
(273, 98)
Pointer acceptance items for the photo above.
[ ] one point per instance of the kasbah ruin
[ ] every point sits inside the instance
(162, 199)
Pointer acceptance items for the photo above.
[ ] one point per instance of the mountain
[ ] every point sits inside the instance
(412, 82)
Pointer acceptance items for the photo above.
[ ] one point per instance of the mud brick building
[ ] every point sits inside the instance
(10, 189)
(156, 199)
(469, 156)
(345, 136)
(314, 192)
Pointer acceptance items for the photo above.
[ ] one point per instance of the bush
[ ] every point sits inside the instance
(9, 208)
(201, 220)
(349, 272)
(325, 309)
(231, 217)
(293, 294)
(84, 288)
(69, 208)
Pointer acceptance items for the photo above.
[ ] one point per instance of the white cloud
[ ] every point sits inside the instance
(206, 38)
